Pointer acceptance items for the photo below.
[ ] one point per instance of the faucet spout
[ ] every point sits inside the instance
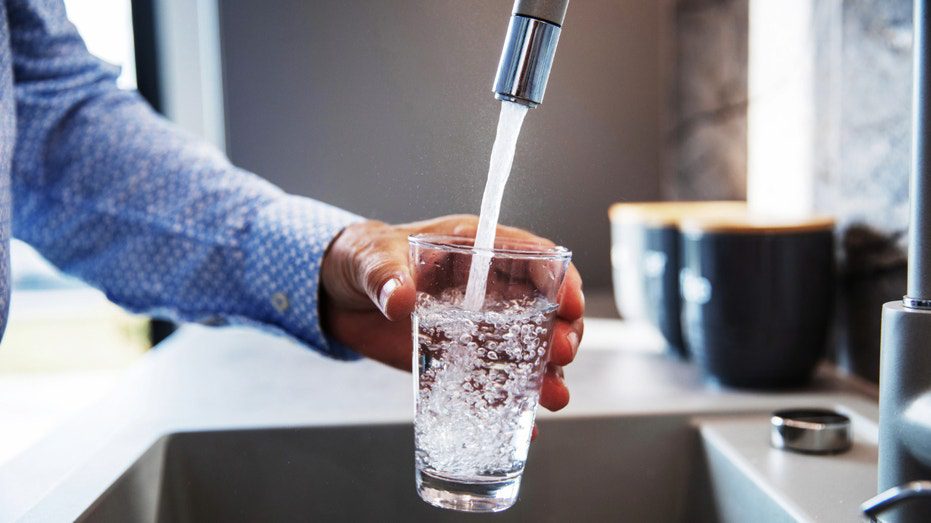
(529, 48)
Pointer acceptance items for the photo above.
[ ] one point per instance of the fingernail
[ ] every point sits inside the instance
(573, 340)
(385, 294)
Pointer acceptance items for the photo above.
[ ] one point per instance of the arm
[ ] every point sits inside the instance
(161, 222)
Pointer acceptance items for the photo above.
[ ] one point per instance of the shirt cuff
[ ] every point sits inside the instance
(283, 252)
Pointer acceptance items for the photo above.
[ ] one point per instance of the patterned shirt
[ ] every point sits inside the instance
(112, 193)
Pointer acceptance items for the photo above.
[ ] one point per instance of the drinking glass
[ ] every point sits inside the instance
(479, 372)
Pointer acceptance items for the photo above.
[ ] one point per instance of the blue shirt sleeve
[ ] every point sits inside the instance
(161, 222)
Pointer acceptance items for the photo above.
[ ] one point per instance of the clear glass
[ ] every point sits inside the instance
(479, 372)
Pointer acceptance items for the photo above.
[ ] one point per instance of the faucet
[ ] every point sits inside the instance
(529, 47)
(905, 365)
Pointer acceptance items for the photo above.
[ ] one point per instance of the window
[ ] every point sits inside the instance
(65, 343)
(107, 29)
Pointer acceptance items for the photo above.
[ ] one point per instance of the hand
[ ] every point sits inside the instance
(368, 296)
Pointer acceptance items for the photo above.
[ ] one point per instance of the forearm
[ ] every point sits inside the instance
(160, 221)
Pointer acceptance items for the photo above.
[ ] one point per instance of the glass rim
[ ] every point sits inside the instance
(538, 251)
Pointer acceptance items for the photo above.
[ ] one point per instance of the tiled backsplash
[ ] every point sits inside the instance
(861, 91)
(708, 135)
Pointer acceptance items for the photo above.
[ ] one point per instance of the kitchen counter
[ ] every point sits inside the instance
(209, 379)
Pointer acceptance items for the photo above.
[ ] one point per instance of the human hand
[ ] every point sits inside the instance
(368, 295)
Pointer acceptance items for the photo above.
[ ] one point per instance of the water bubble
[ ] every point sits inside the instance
(476, 385)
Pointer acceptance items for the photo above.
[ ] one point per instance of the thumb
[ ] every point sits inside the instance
(386, 280)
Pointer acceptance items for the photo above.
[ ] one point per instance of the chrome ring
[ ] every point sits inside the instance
(810, 431)
(915, 303)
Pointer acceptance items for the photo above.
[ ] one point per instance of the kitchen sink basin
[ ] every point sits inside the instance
(649, 468)
(634, 468)
(645, 440)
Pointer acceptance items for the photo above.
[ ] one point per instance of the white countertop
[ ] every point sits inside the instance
(206, 379)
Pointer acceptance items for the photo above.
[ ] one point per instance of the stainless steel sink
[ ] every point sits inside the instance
(627, 468)
(667, 448)
(649, 468)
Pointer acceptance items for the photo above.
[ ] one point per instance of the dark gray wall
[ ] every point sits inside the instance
(385, 108)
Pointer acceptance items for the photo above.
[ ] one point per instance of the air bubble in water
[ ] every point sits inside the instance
(478, 391)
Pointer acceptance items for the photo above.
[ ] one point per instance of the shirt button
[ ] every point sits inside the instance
(280, 302)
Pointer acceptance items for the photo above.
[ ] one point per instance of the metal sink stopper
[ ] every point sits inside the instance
(810, 431)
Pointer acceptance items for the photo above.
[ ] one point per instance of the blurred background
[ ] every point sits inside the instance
(385, 109)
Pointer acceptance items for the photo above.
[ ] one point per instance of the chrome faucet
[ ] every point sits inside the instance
(905, 366)
(529, 47)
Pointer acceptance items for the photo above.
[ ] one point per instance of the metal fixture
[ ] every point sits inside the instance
(529, 48)
(919, 249)
(905, 367)
(878, 504)
(810, 431)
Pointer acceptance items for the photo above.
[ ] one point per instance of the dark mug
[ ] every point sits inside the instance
(757, 298)
(645, 260)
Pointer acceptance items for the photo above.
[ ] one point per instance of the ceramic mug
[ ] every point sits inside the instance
(757, 297)
(645, 260)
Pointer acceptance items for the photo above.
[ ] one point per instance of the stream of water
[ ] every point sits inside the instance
(499, 169)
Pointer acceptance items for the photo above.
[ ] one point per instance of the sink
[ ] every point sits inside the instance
(644, 440)
(633, 468)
